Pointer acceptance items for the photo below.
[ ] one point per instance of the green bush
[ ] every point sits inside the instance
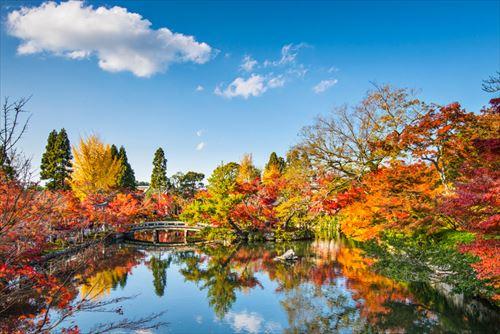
(422, 259)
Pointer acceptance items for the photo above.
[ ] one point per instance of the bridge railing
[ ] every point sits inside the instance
(163, 224)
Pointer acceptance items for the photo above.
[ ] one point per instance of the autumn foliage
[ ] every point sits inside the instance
(35, 222)
(392, 163)
(95, 170)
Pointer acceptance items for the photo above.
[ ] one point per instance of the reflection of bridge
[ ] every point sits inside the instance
(158, 226)
(177, 246)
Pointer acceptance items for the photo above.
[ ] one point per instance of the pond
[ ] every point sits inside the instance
(241, 289)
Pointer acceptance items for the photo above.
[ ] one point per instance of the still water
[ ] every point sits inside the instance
(240, 289)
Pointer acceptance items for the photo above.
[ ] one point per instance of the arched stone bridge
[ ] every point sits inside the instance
(158, 226)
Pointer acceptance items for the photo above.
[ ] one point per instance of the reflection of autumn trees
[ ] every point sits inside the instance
(159, 268)
(322, 263)
(102, 282)
(215, 271)
(108, 268)
(435, 310)
(324, 309)
(93, 272)
(330, 288)
(224, 271)
(372, 289)
(327, 264)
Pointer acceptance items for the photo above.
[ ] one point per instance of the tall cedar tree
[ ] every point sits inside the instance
(47, 167)
(159, 181)
(56, 161)
(114, 151)
(115, 155)
(64, 156)
(127, 179)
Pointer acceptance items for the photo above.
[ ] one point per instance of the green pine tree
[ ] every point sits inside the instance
(114, 152)
(56, 161)
(115, 155)
(47, 167)
(63, 160)
(127, 177)
(159, 181)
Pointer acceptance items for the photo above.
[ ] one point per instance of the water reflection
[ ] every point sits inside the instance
(331, 288)
(217, 270)
(158, 267)
(110, 269)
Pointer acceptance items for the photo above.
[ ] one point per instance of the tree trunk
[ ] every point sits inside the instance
(237, 229)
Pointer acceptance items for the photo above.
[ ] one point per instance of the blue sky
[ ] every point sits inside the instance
(141, 92)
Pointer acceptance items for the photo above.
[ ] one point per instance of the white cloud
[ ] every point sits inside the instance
(276, 82)
(323, 85)
(200, 146)
(250, 322)
(253, 86)
(289, 54)
(121, 41)
(81, 54)
(271, 74)
(199, 88)
(199, 133)
(299, 71)
(248, 63)
(143, 331)
(244, 321)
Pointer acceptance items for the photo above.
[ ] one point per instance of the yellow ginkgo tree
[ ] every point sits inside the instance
(95, 170)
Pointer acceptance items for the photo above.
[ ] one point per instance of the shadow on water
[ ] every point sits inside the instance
(330, 288)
